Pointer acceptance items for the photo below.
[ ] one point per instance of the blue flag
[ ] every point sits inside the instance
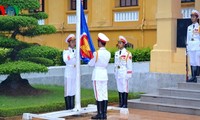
(86, 44)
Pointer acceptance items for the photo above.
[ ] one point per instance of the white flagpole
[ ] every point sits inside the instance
(78, 87)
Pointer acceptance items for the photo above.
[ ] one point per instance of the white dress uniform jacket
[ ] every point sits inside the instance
(100, 61)
(123, 69)
(69, 57)
(193, 37)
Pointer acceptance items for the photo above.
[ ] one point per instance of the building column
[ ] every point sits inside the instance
(197, 5)
(163, 51)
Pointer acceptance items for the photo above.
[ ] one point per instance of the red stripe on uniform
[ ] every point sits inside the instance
(129, 72)
(95, 90)
(68, 57)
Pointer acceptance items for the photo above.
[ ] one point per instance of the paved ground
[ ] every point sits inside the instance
(134, 114)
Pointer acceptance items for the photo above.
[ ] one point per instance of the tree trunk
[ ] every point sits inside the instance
(14, 85)
(14, 34)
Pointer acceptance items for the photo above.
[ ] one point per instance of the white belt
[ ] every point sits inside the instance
(71, 65)
(100, 68)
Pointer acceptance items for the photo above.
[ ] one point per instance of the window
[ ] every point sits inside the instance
(185, 1)
(127, 3)
(73, 4)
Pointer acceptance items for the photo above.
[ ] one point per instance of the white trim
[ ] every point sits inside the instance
(126, 16)
(71, 19)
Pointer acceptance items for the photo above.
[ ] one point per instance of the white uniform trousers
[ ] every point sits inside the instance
(194, 57)
(122, 85)
(100, 90)
(69, 86)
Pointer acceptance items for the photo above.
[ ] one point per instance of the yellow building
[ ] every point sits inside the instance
(145, 23)
(134, 19)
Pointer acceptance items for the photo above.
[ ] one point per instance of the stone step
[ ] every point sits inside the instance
(190, 86)
(180, 92)
(170, 100)
(137, 104)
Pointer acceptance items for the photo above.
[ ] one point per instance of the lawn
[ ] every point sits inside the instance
(52, 101)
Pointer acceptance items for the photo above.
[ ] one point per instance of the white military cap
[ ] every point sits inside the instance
(123, 39)
(195, 12)
(70, 37)
(102, 37)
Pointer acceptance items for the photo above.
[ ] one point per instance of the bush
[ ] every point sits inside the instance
(59, 59)
(138, 55)
(21, 67)
(39, 51)
(39, 15)
(4, 52)
(40, 60)
(6, 42)
(10, 23)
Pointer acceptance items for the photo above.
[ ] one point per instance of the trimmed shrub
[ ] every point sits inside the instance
(39, 15)
(3, 54)
(21, 67)
(13, 43)
(59, 59)
(39, 51)
(142, 54)
(40, 60)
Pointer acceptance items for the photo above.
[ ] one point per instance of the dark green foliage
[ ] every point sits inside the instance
(39, 30)
(138, 55)
(4, 53)
(10, 23)
(21, 4)
(141, 54)
(59, 59)
(38, 51)
(21, 67)
(8, 42)
(39, 15)
(40, 60)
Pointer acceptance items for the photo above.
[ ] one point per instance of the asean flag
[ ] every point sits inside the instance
(86, 44)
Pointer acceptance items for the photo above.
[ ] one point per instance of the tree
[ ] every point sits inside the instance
(20, 57)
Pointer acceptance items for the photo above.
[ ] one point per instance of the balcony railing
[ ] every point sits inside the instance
(126, 16)
(71, 19)
(186, 12)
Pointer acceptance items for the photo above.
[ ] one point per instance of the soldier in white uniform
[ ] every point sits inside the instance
(193, 45)
(69, 57)
(123, 71)
(100, 77)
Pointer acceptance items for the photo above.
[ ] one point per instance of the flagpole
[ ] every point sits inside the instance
(78, 27)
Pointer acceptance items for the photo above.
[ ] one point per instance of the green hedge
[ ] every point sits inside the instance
(142, 54)
(139, 55)
(40, 60)
(21, 67)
